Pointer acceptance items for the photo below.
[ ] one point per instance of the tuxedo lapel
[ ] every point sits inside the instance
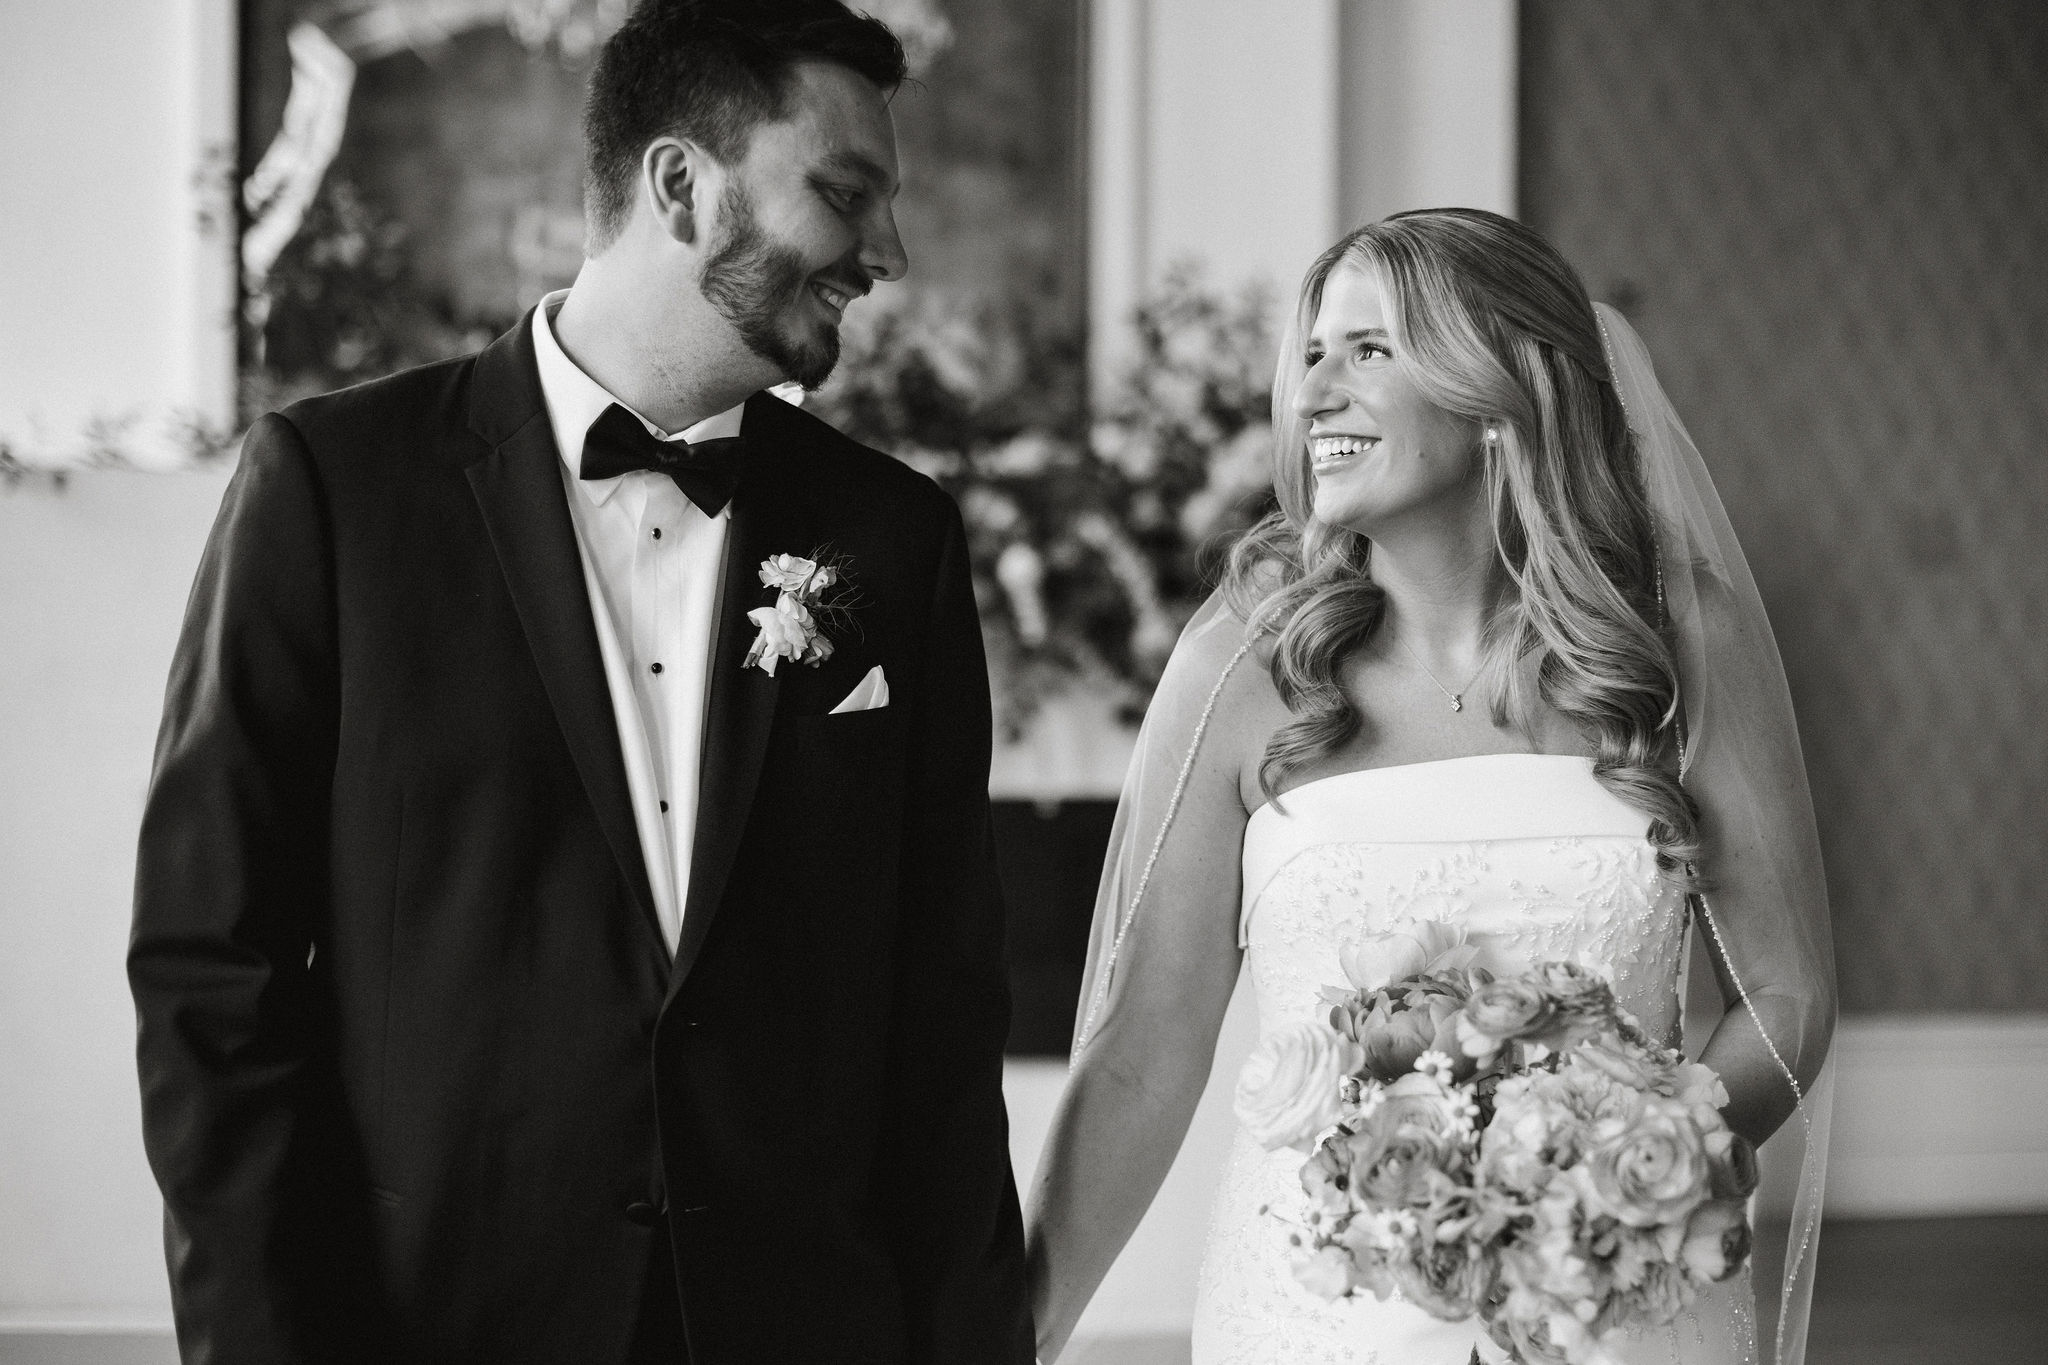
(518, 486)
(768, 518)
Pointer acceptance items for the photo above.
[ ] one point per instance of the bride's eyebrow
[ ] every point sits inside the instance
(1352, 337)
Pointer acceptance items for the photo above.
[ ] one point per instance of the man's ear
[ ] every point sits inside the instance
(676, 181)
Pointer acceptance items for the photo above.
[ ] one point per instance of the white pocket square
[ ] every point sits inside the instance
(871, 693)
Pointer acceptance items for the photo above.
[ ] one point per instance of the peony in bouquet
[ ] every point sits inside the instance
(1514, 1148)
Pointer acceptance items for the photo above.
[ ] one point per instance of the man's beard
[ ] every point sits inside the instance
(753, 281)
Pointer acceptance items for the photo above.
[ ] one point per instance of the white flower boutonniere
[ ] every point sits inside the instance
(789, 629)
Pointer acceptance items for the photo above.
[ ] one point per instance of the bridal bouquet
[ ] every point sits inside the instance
(1514, 1147)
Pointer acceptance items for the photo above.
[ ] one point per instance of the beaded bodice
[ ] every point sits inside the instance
(1526, 853)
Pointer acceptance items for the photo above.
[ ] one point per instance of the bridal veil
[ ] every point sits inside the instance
(1765, 906)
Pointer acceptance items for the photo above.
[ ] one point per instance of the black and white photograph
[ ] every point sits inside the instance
(996, 682)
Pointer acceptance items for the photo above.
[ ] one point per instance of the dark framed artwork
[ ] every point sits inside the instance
(411, 176)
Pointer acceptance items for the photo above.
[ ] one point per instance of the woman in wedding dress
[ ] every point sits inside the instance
(1497, 664)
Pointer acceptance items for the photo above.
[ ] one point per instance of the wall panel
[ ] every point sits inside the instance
(1828, 221)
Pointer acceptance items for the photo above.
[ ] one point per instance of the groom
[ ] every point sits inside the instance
(553, 941)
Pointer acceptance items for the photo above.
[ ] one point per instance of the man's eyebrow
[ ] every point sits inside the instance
(853, 163)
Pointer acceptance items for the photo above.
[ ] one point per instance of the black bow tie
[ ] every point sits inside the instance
(708, 472)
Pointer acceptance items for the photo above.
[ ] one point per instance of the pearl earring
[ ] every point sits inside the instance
(1493, 436)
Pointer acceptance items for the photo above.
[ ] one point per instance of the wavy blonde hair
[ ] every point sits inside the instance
(1491, 324)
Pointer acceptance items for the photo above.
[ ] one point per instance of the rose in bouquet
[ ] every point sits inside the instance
(1515, 1148)
(1405, 990)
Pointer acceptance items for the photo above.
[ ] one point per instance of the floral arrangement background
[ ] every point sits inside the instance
(1093, 541)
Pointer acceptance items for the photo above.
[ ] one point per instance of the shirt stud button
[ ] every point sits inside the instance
(664, 808)
(657, 533)
(654, 668)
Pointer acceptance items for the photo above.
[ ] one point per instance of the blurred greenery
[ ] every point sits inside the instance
(1091, 541)
(343, 305)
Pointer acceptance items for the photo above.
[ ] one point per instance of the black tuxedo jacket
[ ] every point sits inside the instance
(418, 1074)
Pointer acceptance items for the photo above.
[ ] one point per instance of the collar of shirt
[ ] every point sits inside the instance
(574, 401)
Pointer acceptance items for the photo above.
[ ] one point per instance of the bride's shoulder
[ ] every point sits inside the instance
(1216, 640)
(1219, 674)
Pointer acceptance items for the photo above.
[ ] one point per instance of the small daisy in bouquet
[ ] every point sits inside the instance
(1512, 1147)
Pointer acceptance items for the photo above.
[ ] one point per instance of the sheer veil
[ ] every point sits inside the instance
(1764, 909)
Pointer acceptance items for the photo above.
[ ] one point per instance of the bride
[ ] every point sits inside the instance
(1496, 663)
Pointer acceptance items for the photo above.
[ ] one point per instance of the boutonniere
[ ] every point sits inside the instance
(789, 629)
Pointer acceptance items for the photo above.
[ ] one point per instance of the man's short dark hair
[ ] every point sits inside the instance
(709, 71)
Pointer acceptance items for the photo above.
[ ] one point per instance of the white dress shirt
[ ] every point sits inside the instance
(651, 563)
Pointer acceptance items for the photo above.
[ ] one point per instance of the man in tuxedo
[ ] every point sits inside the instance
(555, 941)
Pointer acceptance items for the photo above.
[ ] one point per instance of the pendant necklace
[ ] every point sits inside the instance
(1457, 698)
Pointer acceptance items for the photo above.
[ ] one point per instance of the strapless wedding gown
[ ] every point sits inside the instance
(1535, 860)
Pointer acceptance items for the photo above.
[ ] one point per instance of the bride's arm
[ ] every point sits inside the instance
(1153, 1005)
(1120, 1122)
(1788, 982)
(1767, 927)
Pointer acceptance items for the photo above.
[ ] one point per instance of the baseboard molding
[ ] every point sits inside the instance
(1939, 1115)
(1162, 1349)
(82, 1323)
(79, 1344)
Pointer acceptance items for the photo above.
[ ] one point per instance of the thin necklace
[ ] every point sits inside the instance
(1457, 697)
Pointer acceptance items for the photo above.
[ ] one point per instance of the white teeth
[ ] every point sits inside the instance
(1326, 448)
(833, 297)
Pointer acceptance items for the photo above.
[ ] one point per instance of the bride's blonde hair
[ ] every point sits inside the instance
(1491, 324)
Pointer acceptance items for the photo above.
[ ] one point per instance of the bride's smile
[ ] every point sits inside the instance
(1333, 452)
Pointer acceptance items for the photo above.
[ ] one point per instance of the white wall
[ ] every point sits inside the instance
(1426, 115)
(119, 305)
(1212, 138)
(1249, 137)
(92, 585)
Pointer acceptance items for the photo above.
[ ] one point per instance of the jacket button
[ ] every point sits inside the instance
(643, 1213)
